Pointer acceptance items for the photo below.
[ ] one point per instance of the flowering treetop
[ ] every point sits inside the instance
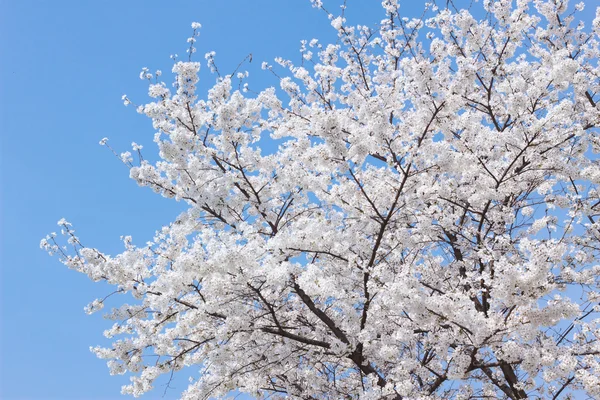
(426, 229)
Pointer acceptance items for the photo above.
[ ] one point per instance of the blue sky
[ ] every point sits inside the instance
(65, 65)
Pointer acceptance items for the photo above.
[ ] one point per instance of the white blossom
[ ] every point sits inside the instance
(426, 226)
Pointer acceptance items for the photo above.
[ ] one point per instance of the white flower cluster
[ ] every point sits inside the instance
(426, 228)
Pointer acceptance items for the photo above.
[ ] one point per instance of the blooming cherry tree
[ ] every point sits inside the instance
(426, 229)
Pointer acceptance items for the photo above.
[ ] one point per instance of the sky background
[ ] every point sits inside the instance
(65, 65)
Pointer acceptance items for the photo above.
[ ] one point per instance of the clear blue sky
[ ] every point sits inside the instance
(65, 65)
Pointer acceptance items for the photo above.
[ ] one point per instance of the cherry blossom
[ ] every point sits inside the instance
(428, 227)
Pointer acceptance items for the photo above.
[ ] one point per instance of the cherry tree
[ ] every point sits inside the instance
(427, 228)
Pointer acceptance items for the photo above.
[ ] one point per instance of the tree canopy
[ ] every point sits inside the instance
(426, 228)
